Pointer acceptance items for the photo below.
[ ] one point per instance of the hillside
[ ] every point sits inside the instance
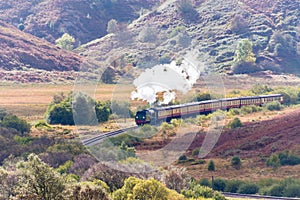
(21, 53)
(85, 20)
(150, 32)
(212, 28)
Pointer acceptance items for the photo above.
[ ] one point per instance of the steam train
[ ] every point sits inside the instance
(167, 113)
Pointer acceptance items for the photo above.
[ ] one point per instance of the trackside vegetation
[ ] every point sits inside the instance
(81, 109)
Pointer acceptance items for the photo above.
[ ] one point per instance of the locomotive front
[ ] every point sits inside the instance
(142, 117)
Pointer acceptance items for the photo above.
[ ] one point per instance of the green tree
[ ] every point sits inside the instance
(259, 89)
(243, 52)
(12, 121)
(84, 109)
(273, 161)
(211, 166)
(244, 58)
(60, 113)
(95, 190)
(66, 41)
(248, 188)
(112, 26)
(236, 162)
(235, 123)
(176, 178)
(3, 113)
(38, 180)
(135, 188)
(199, 192)
(121, 109)
(102, 111)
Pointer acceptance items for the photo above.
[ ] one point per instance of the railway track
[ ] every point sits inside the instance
(98, 138)
(248, 196)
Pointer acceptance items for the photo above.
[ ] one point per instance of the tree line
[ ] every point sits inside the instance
(80, 109)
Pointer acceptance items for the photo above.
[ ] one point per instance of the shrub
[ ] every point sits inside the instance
(275, 105)
(259, 89)
(244, 58)
(232, 186)
(205, 182)
(219, 184)
(287, 158)
(248, 188)
(195, 152)
(182, 158)
(23, 140)
(148, 34)
(42, 125)
(273, 161)
(198, 192)
(102, 111)
(61, 114)
(112, 26)
(211, 166)
(292, 190)
(3, 113)
(235, 123)
(276, 190)
(187, 11)
(66, 41)
(235, 111)
(176, 178)
(236, 162)
(12, 121)
(239, 25)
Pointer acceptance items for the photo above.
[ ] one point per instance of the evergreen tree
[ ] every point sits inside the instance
(211, 166)
(66, 41)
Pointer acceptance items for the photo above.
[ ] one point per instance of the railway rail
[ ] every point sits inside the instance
(98, 138)
(247, 196)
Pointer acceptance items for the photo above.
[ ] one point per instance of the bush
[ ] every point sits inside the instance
(211, 166)
(219, 184)
(187, 11)
(205, 182)
(250, 109)
(273, 161)
(292, 190)
(239, 25)
(195, 152)
(199, 192)
(275, 105)
(259, 89)
(236, 162)
(248, 188)
(61, 114)
(182, 158)
(235, 123)
(66, 41)
(12, 121)
(112, 26)
(148, 34)
(85, 110)
(232, 186)
(287, 158)
(42, 125)
(235, 111)
(276, 190)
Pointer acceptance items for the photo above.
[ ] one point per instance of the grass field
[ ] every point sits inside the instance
(30, 101)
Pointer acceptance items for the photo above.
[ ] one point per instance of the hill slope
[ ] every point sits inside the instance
(85, 20)
(213, 30)
(21, 51)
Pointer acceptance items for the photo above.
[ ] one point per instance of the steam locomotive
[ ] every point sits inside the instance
(167, 113)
